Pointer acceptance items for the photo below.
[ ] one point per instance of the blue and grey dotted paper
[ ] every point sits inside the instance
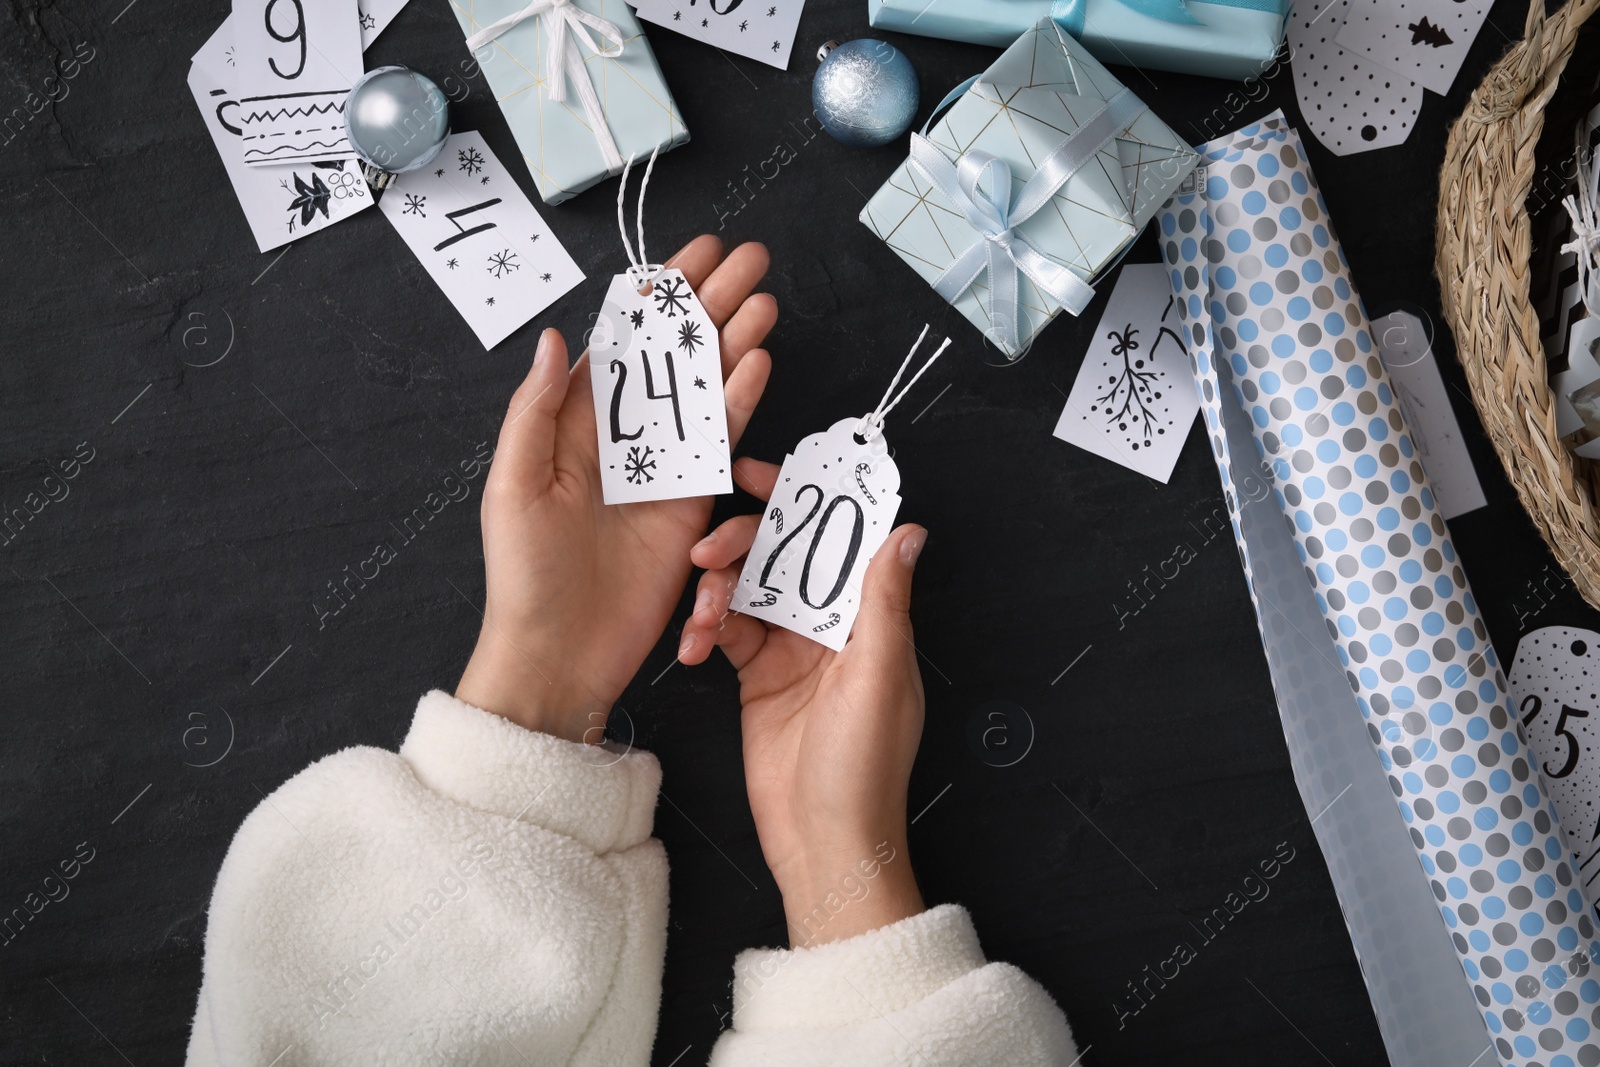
(1280, 344)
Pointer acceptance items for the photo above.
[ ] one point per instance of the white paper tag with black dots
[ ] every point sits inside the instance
(834, 503)
(1350, 104)
(1555, 694)
(656, 369)
(1422, 39)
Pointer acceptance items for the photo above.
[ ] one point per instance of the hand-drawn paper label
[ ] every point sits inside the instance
(1421, 39)
(656, 368)
(281, 203)
(1134, 398)
(296, 62)
(1351, 104)
(762, 30)
(375, 16)
(834, 503)
(1414, 373)
(479, 238)
(1555, 694)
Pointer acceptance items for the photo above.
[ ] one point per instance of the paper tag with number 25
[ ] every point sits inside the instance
(655, 366)
(834, 503)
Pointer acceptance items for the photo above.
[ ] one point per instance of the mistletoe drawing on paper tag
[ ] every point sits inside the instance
(834, 503)
(656, 374)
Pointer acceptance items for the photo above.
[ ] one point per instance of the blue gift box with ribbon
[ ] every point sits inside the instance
(1033, 183)
(1218, 38)
(578, 84)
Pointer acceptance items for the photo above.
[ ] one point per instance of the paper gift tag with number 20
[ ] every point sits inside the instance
(834, 503)
(656, 370)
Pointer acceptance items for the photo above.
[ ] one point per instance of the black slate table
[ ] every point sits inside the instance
(167, 607)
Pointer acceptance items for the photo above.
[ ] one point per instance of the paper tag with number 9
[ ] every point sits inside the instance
(655, 367)
(834, 503)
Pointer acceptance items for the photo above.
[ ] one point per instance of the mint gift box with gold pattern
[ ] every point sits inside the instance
(578, 84)
(1029, 188)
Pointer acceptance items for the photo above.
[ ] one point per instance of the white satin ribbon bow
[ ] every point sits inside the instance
(565, 22)
(995, 215)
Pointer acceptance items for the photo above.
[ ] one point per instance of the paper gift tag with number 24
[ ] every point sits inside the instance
(655, 366)
(834, 503)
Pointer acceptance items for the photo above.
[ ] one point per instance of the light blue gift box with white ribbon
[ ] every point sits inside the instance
(1033, 183)
(578, 84)
(1221, 39)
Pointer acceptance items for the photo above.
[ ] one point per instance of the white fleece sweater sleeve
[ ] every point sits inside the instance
(917, 992)
(488, 895)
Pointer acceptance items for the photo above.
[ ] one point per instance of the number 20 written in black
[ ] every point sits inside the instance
(857, 528)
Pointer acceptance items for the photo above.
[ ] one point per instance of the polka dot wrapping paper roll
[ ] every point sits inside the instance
(1284, 355)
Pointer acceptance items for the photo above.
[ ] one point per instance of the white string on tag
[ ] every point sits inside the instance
(872, 424)
(641, 272)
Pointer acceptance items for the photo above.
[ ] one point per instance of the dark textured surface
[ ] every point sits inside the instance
(171, 593)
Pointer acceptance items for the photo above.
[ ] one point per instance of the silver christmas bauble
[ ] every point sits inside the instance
(397, 120)
(865, 92)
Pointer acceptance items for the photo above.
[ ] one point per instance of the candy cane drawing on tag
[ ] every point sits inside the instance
(862, 482)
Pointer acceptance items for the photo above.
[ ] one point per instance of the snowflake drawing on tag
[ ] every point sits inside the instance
(470, 160)
(639, 464)
(689, 338)
(414, 204)
(672, 296)
(636, 316)
(503, 263)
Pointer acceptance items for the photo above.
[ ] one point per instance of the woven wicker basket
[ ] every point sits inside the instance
(1482, 260)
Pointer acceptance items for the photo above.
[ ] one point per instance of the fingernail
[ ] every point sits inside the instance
(544, 346)
(911, 547)
(688, 645)
(702, 601)
(706, 540)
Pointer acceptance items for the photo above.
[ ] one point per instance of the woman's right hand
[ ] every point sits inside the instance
(829, 737)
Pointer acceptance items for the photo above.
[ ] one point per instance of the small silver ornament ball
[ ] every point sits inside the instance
(397, 120)
(865, 92)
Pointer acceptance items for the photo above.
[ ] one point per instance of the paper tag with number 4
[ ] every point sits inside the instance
(834, 503)
(656, 369)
